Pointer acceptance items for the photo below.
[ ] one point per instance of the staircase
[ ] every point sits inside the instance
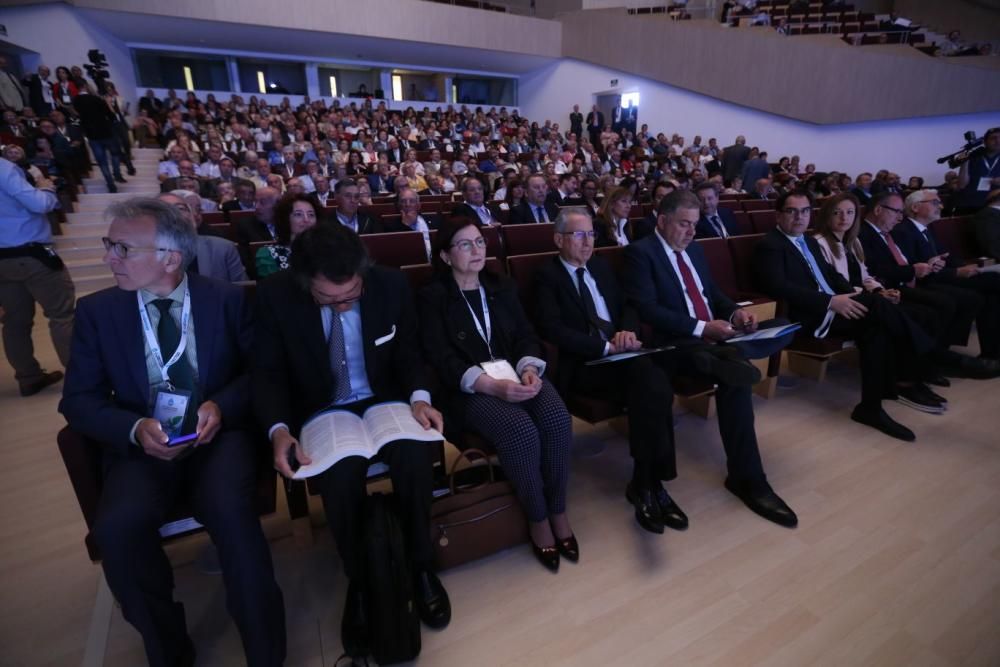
(80, 242)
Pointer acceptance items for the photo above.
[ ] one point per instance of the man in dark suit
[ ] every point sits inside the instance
(576, 122)
(39, 90)
(863, 188)
(566, 194)
(535, 207)
(986, 225)
(790, 266)
(381, 182)
(591, 324)
(915, 238)
(160, 333)
(733, 158)
(714, 221)
(756, 169)
(336, 330)
(595, 123)
(348, 198)
(668, 281)
(474, 206)
(410, 217)
(261, 226)
(322, 196)
(150, 104)
(246, 198)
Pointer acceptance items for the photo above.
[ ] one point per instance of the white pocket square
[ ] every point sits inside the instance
(386, 338)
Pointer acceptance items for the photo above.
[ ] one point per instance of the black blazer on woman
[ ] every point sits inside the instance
(450, 339)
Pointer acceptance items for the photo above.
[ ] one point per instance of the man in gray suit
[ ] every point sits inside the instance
(216, 257)
(733, 158)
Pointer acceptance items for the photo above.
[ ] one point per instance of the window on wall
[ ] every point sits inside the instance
(485, 90)
(630, 100)
(346, 81)
(272, 77)
(181, 72)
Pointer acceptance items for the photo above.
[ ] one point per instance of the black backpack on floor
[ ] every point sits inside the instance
(393, 621)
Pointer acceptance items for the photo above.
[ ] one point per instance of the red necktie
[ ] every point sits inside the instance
(697, 300)
(896, 255)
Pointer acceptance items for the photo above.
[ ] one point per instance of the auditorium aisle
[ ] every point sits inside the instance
(896, 560)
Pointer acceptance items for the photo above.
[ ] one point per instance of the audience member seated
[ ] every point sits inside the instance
(322, 196)
(607, 325)
(535, 207)
(259, 228)
(348, 198)
(294, 214)
(474, 205)
(714, 221)
(986, 226)
(479, 340)
(333, 305)
(612, 224)
(214, 257)
(149, 245)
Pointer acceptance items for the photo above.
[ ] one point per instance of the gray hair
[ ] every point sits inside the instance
(565, 213)
(192, 198)
(916, 197)
(676, 200)
(172, 230)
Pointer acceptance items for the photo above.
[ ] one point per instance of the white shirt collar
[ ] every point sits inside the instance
(921, 227)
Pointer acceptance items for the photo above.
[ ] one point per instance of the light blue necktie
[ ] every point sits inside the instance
(813, 266)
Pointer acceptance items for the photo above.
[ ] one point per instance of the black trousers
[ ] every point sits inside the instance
(343, 492)
(219, 478)
(643, 387)
(978, 296)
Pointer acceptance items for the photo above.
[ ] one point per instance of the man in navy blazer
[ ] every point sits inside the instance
(915, 238)
(535, 207)
(591, 325)
(114, 375)
(667, 280)
(714, 221)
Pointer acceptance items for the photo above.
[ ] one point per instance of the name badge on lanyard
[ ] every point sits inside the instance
(985, 182)
(170, 404)
(498, 369)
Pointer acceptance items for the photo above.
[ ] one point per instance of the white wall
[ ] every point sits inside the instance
(907, 147)
(62, 37)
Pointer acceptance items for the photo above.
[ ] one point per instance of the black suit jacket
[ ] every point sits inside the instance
(450, 339)
(783, 273)
(292, 378)
(733, 158)
(562, 318)
(252, 230)
(554, 200)
(591, 124)
(705, 230)
(986, 224)
(653, 288)
(463, 210)
(523, 214)
(880, 261)
(107, 387)
(367, 224)
(396, 224)
(918, 248)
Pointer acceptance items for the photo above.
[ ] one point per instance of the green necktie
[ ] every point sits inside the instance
(181, 374)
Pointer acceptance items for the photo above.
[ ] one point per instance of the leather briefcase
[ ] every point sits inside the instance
(476, 520)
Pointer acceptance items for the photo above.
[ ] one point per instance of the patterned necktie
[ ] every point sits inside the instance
(691, 287)
(814, 269)
(338, 358)
(540, 214)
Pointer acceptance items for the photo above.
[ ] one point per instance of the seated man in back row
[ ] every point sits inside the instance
(668, 282)
(165, 338)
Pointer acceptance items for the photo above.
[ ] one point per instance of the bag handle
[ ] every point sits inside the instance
(464, 455)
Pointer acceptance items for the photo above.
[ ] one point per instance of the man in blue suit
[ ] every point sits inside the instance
(668, 282)
(164, 336)
(714, 221)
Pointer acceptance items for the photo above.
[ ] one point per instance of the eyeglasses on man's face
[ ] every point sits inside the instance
(122, 250)
(581, 234)
(797, 212)
(466, 245)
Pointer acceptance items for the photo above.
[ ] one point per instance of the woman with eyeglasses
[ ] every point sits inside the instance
(293, 215)
(486, 353)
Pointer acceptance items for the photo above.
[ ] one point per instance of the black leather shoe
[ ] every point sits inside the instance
(647, 512)
(188, 655)
(120, 179)
(131, 171)
(569, 548)
(932, 395)
(761, 498)
(354, 624)
(671, 515)
(547, 556)
(880, 419)
(938, 381)
(433, 604)
(916, 397)
(35, 386)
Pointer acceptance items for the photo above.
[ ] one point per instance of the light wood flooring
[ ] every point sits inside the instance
(896, 560)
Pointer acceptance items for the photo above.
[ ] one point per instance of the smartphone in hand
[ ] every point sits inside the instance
(182, 439)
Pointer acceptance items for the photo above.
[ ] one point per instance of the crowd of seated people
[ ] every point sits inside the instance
(301, 200)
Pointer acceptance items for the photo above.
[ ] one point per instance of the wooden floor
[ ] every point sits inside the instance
(896, 560)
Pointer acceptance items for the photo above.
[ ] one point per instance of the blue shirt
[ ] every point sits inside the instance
(354, 350)
(23, 209)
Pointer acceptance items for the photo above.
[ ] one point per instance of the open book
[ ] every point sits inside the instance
(332, 435)
(765, 334)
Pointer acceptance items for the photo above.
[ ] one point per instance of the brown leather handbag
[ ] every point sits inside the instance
(476, 520)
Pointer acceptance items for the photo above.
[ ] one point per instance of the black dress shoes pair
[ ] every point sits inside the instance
(763, 501)
(879, 419)
(433, 604)
(547, 556)
(654, 509)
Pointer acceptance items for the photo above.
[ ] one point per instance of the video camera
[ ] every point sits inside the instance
(97, 69)
(973, 146)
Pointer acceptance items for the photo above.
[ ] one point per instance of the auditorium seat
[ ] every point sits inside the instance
(743, 222)
(213, 218)
(396, 249)
(528, 239)
(957, 236)
(750, 205)
(763, 221)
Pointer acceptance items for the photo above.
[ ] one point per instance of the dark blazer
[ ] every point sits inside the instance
(918, 248)
(879, 259)
(986, 225)
(733, 158)
(705, 230)
(34, 85)
(463, 210)
(554, 200)
(451, 342)
(373, 183)
(367, 223)
(656, 292)
(783, 273)
(754, 170)
(562, 318)
(523, 214)
(107, 389)
(396, 224)
(233, 205)
(865, 198)
(291, 382)
(252, 230)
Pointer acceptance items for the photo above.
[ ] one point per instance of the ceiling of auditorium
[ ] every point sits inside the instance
(311, 45)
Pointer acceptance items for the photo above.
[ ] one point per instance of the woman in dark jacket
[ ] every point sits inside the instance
(477, 337)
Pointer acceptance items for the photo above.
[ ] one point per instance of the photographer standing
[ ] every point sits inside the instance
(30, 271)
(979, 174)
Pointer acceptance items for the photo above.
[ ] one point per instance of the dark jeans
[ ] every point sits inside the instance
(102, 148)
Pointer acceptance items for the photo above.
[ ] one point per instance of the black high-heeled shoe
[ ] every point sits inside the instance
(569, 548)
(547, 556)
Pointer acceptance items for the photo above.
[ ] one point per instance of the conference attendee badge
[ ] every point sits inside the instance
(500, 369)
(170, 406)
(985, 184)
